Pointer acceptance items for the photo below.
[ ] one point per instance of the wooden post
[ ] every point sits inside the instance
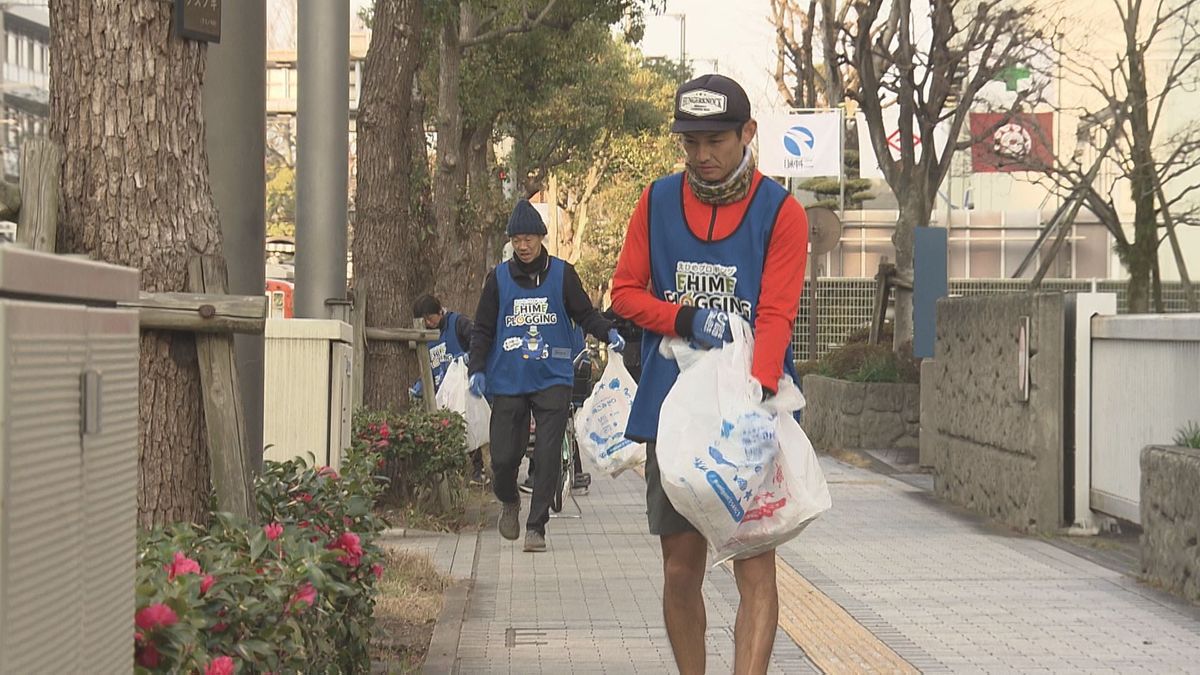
(225, 428)
(41, 167)
(196, 312)
(426, 369)
(883, 283)
(358, 315)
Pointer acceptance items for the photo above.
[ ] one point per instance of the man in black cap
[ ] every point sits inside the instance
(715, 240)
(522, 355)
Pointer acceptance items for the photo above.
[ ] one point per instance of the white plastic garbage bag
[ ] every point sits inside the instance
(600, 421)
(741, 470)
(454, 394)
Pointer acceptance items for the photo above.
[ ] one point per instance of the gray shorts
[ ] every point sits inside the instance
(663, 518)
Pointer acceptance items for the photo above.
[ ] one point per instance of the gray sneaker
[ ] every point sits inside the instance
(535, 542)
(510, 520)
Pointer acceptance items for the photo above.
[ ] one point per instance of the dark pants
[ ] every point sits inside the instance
(509, 434)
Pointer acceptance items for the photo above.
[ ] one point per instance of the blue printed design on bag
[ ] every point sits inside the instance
(729, 499)
(726, 428)
(719, 458)
(621, 444)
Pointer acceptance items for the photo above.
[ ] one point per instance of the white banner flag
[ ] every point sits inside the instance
(801, 145)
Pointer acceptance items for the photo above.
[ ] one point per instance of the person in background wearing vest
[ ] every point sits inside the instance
(581, 388)
(521, 355)
(718, 238)
(453, 341)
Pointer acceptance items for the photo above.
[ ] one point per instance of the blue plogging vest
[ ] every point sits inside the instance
(534, 339)
(724, 275)
(445, 349)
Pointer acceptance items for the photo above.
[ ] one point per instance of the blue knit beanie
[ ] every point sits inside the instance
(525, 220)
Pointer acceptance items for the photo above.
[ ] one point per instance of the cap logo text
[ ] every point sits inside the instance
(702, 103)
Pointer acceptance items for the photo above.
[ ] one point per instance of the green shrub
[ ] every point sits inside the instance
(862, 362)
(863, 334)
(1188, 435)
(420, 450)
(293, 595)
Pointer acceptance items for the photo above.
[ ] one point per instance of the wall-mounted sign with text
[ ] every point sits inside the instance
(198, 19)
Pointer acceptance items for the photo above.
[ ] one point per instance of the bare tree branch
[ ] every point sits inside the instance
(526, 24)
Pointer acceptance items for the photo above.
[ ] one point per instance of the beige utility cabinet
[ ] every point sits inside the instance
(308, 367)
(68, 463)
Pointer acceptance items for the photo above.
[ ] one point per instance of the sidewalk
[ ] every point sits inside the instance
(890, 580)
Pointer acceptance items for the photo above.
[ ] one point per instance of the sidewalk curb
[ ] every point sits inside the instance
(442, 656)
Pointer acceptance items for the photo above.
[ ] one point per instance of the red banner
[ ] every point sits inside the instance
(1016, 142)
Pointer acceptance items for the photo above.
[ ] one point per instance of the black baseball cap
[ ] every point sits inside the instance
(710, 103)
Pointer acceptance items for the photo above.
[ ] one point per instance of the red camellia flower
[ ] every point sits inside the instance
(304, 497)
(222, 665)
(219, 627)
(181, 565)
(303, 523)
(384, 430)
(157, 615)
(273, 531)
(328, 472)
(445, 422)
(305, 595)
(147, 655)
(377, 570)
(350, 544)
(206, 583)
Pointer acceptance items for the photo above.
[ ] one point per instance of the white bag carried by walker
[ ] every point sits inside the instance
(455, 394)
(600, 421)
(739, 469)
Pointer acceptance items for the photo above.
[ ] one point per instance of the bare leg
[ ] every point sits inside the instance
(684, 559)
(758, 614)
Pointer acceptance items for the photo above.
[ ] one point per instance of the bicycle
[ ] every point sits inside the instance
(570, 446)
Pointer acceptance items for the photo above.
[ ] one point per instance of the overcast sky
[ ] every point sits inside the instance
(732, 37)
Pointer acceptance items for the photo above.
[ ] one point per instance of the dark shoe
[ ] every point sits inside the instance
(510, 521)
(478, 478)
(581, 481)
(535, 542)
(526, 486)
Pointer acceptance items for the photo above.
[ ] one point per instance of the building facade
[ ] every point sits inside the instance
(26, 86)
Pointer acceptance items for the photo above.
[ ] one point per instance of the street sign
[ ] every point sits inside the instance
(198, 19)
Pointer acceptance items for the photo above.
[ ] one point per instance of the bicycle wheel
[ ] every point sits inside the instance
(564, 478)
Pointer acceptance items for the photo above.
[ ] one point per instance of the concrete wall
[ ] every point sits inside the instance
(990, 451)
(1170, 508)
(860, 415)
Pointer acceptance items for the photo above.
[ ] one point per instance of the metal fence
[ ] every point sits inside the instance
(844, 304)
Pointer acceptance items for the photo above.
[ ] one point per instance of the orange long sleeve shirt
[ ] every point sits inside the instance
(782, 282)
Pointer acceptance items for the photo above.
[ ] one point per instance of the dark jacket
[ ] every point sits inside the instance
(463, 328)
(579, 305)
(632, 356)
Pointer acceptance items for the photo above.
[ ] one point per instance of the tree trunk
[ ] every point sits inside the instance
(489, 213)
(126, 108)
(461, 238)
(1142, 179)
(914, 212)
(393, 259)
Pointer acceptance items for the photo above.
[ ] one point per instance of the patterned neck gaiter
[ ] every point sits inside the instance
(732, 189)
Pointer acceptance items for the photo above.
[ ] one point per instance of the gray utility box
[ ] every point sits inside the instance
(68, 463)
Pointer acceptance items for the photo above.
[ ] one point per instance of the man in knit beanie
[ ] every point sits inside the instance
(521, 355)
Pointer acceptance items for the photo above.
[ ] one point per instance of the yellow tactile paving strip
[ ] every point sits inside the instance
(831, 638)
